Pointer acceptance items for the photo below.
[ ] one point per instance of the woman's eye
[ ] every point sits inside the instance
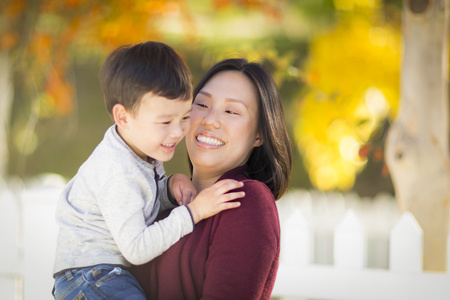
(187, 118)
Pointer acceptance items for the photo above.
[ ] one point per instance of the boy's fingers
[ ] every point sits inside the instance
(177, 195)
(230, 205)
(229, 184)
(231, 196)
(182, 201)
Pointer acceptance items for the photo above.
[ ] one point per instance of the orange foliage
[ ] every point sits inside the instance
(8, 40)
(60, 92)
(271, 8)
(40, 45)
(15, 8)
(55, 26)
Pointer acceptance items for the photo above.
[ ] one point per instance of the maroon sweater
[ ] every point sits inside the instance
(232, 255)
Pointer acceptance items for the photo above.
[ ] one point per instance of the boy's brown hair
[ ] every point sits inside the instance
(131, 71)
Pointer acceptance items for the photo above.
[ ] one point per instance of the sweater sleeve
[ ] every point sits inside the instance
(245, 248)
(123, 208)
(165, 196)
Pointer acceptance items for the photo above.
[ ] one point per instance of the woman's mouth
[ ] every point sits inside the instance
(209, 140)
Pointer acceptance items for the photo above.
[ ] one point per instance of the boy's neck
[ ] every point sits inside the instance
(132, 147)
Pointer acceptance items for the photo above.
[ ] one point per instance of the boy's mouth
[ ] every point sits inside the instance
(170, 147)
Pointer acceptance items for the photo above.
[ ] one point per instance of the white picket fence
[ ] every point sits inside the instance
(334, 246)
(338, 246)
(28, 239)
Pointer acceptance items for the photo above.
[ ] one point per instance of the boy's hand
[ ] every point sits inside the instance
(182, 188)
(215, 198)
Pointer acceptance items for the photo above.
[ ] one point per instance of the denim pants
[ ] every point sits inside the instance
(99, 282)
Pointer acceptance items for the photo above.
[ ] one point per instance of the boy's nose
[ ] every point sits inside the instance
(178, 131)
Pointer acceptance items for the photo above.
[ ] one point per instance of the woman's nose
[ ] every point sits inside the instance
(211, 119)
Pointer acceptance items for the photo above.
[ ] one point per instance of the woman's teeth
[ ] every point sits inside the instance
(209, 140)
(169, 145)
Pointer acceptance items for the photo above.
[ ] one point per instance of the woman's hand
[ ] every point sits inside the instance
(215, 199)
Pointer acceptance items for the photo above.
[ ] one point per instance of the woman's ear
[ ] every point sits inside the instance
(120, 115)
(258, 141)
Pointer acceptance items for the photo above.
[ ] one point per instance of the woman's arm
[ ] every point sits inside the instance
(244, 252)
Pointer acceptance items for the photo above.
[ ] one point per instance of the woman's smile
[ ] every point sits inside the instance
(208, 140)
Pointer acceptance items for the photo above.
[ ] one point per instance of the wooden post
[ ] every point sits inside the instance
(406, 245)
(350, 243)
(417, 144)
(297, 240)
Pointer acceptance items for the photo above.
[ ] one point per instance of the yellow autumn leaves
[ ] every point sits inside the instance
(353, 84)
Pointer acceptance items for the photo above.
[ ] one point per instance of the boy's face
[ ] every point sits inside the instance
(156, 127)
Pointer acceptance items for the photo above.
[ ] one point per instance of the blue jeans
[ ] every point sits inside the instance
(99, 282)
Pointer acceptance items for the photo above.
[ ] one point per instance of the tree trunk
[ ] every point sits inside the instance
(417, 144)
(6, 96)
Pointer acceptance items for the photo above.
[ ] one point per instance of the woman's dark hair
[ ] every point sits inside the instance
(131, 71)
(271, 162)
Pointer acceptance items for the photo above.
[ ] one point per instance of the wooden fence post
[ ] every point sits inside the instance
(406, 245)
(350, 243)
(10, 258)
(297, 240)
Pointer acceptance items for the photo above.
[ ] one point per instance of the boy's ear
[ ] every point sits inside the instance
(120, 115)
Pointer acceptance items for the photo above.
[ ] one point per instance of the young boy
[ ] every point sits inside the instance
(106, 213)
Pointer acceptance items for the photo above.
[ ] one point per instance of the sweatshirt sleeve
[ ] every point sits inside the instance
(123, 207)
(245, 248)
(164, 196)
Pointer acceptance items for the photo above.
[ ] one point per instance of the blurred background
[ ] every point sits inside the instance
(336, 63)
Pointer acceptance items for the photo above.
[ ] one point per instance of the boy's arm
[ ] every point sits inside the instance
(123, 208)
(165, 197)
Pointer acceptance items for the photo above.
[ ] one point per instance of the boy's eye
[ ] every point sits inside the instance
(201, 105)
(187, 118)
(165, 123)
(231, 112)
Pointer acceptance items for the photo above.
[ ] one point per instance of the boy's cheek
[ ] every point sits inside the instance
(186, 128)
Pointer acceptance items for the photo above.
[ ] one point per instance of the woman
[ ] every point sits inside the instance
(237, 131)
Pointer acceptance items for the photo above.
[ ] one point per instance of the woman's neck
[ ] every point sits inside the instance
(202, 180)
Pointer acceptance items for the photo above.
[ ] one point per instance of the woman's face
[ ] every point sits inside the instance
(224, 123)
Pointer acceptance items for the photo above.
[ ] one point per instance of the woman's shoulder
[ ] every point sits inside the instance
(257, 216)
(257, 188)
(257, 194)
(258, 203)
